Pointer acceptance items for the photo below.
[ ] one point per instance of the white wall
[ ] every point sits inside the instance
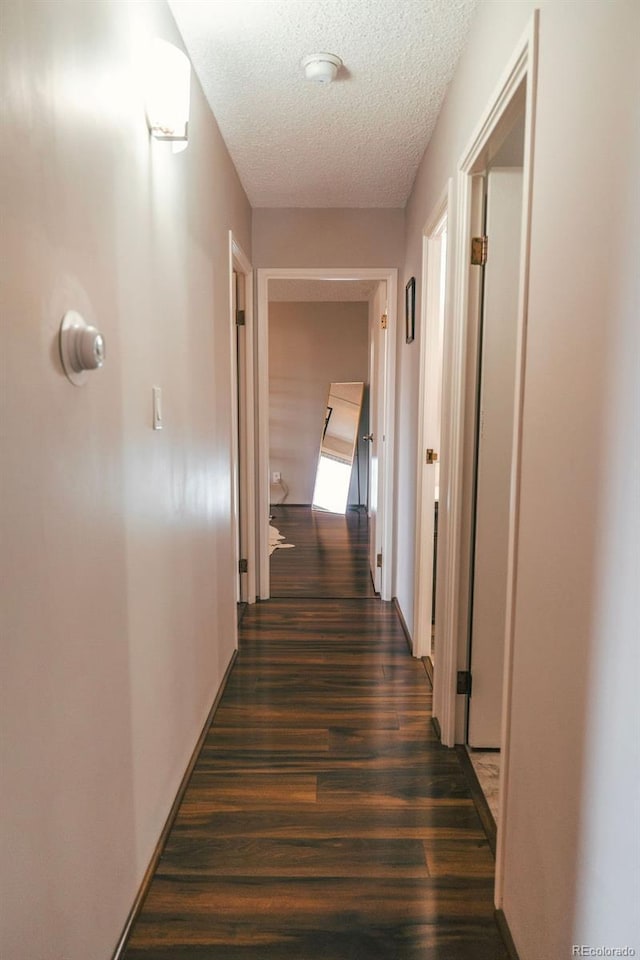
(328, 238)
(572, 852)
(118, 601)
(310, 346)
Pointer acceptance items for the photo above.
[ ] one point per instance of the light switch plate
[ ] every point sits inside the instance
(157, 408)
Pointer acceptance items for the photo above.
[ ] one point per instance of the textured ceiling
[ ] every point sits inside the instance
(305, 291)
(354, 143)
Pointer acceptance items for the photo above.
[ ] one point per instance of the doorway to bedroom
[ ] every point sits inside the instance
(325, 445)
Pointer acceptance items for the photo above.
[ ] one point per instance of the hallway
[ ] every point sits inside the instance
(323, 820)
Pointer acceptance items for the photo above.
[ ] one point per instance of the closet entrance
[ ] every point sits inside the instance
(500, 188)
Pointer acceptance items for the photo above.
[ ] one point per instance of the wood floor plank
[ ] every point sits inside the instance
(319, 919)
(271, 787)
(441, 819)
(391, 786)
(341, 940)
(346, 857)
(307, 901)
(463, 857)
(323, 820)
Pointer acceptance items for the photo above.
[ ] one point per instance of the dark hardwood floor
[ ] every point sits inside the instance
(330, 556)
(323, 820)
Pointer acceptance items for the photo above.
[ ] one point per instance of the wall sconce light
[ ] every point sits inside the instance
(81, 347)
(168, 82)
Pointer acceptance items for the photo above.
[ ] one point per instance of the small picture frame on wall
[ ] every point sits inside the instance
(410, 310)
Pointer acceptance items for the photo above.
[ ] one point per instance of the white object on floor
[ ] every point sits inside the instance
(274, 540)
(487, 767)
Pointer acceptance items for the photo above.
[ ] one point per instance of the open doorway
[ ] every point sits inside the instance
(373, 452)
(499, 190)
(318, 458)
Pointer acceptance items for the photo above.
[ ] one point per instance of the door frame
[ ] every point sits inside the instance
(429, 313)
(378, 343)
(390, 275)
(243, 510)
(521, 70)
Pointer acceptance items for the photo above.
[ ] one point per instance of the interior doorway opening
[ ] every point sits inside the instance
(371, 478)
(499, 193)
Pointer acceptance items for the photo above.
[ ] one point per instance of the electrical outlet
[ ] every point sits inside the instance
(276, 476)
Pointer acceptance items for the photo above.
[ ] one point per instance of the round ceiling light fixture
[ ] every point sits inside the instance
(321, 67)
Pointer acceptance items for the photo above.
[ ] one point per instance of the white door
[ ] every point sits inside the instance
(377, 403)
(242, 495)
(434, 289)
(242, 421)
(494, 453)
(238, 439)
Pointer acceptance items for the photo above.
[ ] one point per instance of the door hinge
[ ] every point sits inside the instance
(479, 247)
(463, 684)
(240, 318)
(243, 566)
(384, 321)
(379, 560)
(432, 456)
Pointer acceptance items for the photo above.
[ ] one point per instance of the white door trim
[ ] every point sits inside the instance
(390, 275)
(522, 67)
(428, 347)
(239, 262)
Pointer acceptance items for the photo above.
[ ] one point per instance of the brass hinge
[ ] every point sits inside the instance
(384, 321)
(379, 560)
(479, 251)
(463, 684)
(432, 456)
(243, 566)
(240, 318)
